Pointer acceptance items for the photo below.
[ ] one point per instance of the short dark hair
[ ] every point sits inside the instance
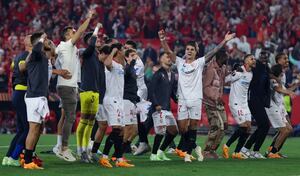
(276, 70)
(246, 56)
(35, 36)
(221, 54)
(116, 45)
(161, 54)
(64, 32)
(105, 49)
(193, 44)
(278, 56)
(87, 36)
(129, 51)
(132, 43)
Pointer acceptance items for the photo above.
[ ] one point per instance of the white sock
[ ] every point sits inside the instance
(105, 156)
(143, 143)
(120, 159)
(59, 140)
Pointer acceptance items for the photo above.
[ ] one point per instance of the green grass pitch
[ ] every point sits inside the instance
(144, 167)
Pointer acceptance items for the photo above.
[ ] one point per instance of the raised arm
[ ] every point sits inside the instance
(83, 27)
(212, 53)
(109, 59)
(37, 48)
(164, 44)
(92, 44)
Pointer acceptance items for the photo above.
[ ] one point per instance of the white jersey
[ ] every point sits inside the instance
(139, 70)
(277, 97)
(240, 82)
(68, 58)
(190, 79)
(114, 81)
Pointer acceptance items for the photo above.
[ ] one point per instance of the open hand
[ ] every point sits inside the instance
(229, 36)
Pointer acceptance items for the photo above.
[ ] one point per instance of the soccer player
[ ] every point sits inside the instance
(36, 96)
(213, 84)
(19, 78)
(259, 98)
(89, 97)
(68, 58)
(143, 145)
(190, 90)
(101, 116)
(238, 103)
(131, 98)
(282, 59)
(113, 105)
(163, 87)
(277, 113)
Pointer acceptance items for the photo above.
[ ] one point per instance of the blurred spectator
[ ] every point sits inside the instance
(210, 45)
(243, 45)
(236, 55)
(3, 80)
(150, 54)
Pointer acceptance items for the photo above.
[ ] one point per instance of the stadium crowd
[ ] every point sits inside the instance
(272, 24)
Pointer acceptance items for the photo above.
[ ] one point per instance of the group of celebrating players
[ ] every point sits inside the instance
(113, 92)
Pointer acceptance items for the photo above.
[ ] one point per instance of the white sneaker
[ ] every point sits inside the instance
(133, 148)
(5, 161)
(246, 152)
(187, 158)
(161, 155)
(143, 148)
(171, 151)
(258, 155)
(56, 149)
(66, 155)
(198, 151)
(154, 157)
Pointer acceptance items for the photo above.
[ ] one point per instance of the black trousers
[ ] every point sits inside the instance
(258, 112)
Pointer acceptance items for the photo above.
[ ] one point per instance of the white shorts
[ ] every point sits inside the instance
(143, 107)
(189, 109)
(277, 115)
(129, 113)
(161, 120)
(101, 115)
(240, 113)
(143, 93)
(37, 109)
(114, 110)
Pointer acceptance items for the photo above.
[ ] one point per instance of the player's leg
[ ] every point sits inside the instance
(172, 131)
(159, 121)
(22, 115)
(69, 103)
(59, 132)
(213, 133)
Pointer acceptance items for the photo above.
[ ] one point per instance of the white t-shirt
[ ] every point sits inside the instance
(190, 79)
(139, 70)
(240, 82)
(114, 81)
(68, 58)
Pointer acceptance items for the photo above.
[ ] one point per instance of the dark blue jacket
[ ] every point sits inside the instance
(259, 89)
(162, 89)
